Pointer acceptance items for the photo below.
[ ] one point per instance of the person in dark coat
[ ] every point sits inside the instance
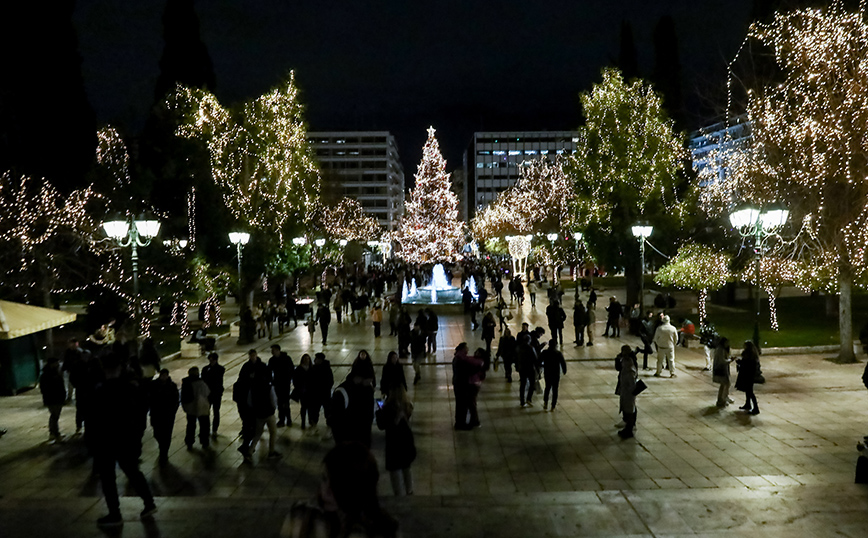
(553, 364)
(404, 329)
(119, 421)
(392, 374)
(526, 362)
(465, 372)
(84, 373)
(363, 365)
(417, 351)
(320, 382)
(506, 353)
(488, 327)
(351, 410)
(580, 320)
(282, 369)
(252, 393)
(53, 396)
(394, 419)
(212, 375)
(164, 399)
(433, 325)
(301, 388)
(324, 317)
(747, 367)
(613, 318)
(556, 316)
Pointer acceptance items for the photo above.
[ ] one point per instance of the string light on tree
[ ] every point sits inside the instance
(430, 230)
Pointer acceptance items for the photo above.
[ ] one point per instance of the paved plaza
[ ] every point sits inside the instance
(692, 469)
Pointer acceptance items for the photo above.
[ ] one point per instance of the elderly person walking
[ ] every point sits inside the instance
(720, 371)
(627, 378)
(665, 338)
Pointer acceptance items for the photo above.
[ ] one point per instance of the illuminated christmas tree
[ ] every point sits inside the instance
(430, 230)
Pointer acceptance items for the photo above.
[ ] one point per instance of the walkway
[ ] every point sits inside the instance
(692, 469)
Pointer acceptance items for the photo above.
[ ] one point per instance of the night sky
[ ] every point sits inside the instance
(398, 65)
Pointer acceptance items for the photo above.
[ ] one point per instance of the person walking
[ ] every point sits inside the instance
(282, 369)
(324, 317)
(84, 373)
(320, 383)
(613, 318)
(580, 319)
(194, 400)
(417, 351)
(488, 326)
(465, 370)
(431, 330)
(212, 375)
(301, 386)
(119, 420)
(164, 401)
(646, 334)
(747, 368)
(556, 316)
(392, 374)
(351, 410)
(377, 319)
(665, 338)
(591, 316)
(531, 290)
(53, 390)
(526, 362)
(506, 353)
(553, 364)
(628, 376)
(720, 371)
(394, 419)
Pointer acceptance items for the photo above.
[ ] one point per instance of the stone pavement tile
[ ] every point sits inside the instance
(670, 483)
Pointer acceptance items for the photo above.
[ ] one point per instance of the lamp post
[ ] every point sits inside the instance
(577, 278)
(133, 233)
(641, 233)
(759, 224)
(239, 239)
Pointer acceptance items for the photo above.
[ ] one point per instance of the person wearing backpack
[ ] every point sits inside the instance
(351, 409)
(194, 400)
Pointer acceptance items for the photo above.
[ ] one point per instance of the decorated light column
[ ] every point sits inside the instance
(239, 239)
(751, 222)
(134, 234)
(641, 233)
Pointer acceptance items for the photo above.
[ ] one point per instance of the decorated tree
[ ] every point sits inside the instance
(45, 238)
(697, 267)
(627, 169)
(430, 230)
(259, 154)
(809, 149)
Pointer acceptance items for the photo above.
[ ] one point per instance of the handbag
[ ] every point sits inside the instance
(640, 386)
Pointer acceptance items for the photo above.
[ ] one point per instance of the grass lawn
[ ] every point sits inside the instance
(802, 321)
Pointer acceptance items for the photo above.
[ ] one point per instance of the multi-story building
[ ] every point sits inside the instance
(363, 165)
(710, 147)
(493, 159)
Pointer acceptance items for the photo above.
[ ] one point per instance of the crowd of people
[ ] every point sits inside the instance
(116, 389)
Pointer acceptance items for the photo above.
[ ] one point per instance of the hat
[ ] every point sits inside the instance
(665, 319)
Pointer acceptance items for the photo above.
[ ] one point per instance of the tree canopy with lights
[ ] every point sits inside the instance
(259, 154)
(627, 169)
(540, 201)
(430, 230)
(809, 149)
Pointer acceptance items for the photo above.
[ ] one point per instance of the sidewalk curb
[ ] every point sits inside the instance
(807, 350)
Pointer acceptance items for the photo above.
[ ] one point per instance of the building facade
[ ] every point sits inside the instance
(493, 159)
(710, 147)
(363, 165)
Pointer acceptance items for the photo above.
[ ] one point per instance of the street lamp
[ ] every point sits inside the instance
(753, 222)
(319, 242)
(239, 239)
(133, 233)
(641, 233)
(577, 235)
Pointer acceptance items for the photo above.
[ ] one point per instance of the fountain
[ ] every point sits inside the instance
(438, 292)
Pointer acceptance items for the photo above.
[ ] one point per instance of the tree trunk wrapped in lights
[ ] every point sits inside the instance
(430, 230)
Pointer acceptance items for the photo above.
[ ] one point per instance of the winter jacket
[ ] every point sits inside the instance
(194, 397)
